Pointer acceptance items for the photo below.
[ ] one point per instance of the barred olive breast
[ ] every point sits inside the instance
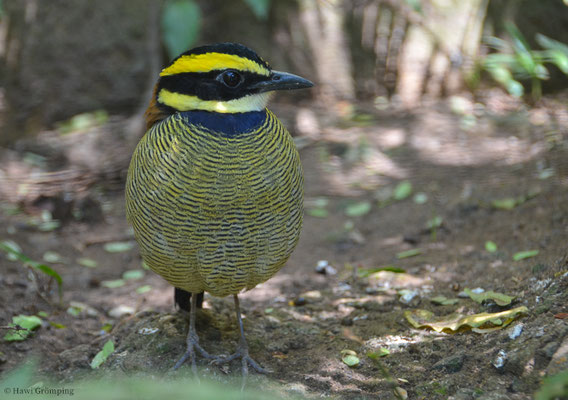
(216, 203)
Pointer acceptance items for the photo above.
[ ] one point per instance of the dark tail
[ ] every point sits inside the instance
(182, 299)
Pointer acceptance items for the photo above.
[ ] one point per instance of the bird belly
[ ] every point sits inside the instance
(212, 212)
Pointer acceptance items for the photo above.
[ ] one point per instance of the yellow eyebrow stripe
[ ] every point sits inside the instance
(213, 61)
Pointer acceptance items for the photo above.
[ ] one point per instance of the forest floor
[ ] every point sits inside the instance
(402, 207)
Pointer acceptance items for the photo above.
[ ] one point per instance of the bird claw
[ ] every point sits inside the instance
(242, 353)
(193, 345)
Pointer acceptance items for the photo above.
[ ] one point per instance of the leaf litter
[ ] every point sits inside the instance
(482, 322)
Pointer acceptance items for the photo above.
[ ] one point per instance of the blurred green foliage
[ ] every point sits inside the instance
(181, 22)
(25, 379)
(16, 255)
(515, 61)
(554, 387)
(260, 8)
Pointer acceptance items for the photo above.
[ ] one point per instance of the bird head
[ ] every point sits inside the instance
(222, 78)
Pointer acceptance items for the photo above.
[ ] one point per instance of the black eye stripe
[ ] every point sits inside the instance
(208, 85)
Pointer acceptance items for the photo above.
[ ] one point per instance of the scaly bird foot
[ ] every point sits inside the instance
(242, 353)
(246, 360)
(192, 346)
(193, 342)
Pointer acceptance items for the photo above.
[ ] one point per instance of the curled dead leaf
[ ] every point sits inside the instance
(482, 322)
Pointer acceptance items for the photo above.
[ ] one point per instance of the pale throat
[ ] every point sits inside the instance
(184, 102)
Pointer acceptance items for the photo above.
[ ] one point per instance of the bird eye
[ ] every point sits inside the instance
(231, 78)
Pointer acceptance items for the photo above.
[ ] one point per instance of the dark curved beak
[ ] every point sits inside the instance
(281, 81)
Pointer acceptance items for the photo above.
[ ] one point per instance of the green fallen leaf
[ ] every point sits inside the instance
(443, 300)
(43, 314)
(22, 327)
(509, 203)
(133, 274)
(317, 212)
(402, 190)
(143, 289)
(118, 247)
(113, 283)
(78, 309)
(12, 248)
(317, 202)
(521, 255)
(81, 122)
(48, 226)
(381, 352)
(102, 355)
(499, 298)
(453, 322)
(52, 257)
(435, 222)
(408, 253)
(363, 273)
(74, 311)
(87, 262)
(505, 204)
(57, 325)
(349, 357)
(490, 246)
(358, 209)
(420, 198)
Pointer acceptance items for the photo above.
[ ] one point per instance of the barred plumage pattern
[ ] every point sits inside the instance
(211, 211)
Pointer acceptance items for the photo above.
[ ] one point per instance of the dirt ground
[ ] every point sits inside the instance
(496, 173)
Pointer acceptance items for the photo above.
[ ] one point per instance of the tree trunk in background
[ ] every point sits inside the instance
(64, 57)
(323, 22)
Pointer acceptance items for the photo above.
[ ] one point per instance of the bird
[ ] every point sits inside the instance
(214, 190)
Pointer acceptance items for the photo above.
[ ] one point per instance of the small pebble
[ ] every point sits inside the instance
(516, 331)
(279, 299)
(342, 287)
(323, 267)
(312, 295)
(121, 311)
(148, 331)
(406, 295)
(320, 267)
(500, 360)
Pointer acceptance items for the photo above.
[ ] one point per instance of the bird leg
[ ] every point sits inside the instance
(242, 349)
(193, 341)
